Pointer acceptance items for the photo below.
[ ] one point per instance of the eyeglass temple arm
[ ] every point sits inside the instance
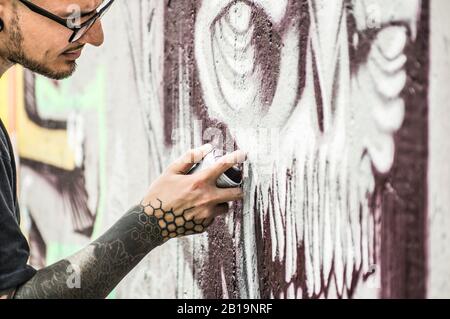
(45, 13)
(61, 21)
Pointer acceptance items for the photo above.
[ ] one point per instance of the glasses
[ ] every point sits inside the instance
(78, 30)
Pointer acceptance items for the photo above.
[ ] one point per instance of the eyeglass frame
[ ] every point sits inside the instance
(67, 22)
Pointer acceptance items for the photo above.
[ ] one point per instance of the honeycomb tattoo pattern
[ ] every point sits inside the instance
(146, 231)
(176, 224)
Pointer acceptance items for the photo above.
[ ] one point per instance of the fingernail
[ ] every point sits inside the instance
(241, 156)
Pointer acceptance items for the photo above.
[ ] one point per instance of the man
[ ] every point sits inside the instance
(47, 37)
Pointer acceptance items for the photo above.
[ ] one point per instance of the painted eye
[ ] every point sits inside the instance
(245, 68)
(243, 50)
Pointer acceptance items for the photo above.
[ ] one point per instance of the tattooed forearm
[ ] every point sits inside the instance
(175, 224)
(104, 263)
(100, 266)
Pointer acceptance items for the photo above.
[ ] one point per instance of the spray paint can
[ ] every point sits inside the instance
(229, 179)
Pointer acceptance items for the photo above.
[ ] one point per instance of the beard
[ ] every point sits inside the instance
(16, 55)
(41, 68)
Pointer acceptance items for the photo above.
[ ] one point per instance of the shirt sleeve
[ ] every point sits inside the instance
(14, 249)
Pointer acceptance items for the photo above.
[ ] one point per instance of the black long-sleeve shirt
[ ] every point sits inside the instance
(14, 249)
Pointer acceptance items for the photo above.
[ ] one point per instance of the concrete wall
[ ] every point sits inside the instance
(439, 153)
(333, 100)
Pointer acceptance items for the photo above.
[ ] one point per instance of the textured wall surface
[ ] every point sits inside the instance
(439, 169)
(341, 105)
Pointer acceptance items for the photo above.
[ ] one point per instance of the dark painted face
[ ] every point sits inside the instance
(251, 57)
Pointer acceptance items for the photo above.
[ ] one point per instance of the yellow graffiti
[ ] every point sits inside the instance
(5, 89)
(4, 99)
(32, 141)
(40, 144)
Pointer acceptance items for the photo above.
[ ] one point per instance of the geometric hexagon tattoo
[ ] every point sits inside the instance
(175, 224)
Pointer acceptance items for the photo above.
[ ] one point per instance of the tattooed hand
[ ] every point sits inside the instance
(187, 204)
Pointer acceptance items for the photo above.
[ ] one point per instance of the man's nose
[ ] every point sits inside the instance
(94, 36)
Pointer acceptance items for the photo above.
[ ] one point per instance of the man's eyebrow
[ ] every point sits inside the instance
(83, 14)
(88, 13)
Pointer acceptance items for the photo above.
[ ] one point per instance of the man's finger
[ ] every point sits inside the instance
(184, 163)
(225, 195)
(224, 163)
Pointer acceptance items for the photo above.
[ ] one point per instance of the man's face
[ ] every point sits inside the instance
(41, 44)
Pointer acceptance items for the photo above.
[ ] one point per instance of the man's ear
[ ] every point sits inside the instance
(5, 11)
(3, 3)
(2, 18)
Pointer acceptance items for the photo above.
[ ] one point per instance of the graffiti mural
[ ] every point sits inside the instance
(330, 99)
(319, 88)
(57, 160)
